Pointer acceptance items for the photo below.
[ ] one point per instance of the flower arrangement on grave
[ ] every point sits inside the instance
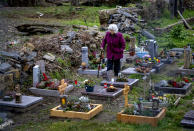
(121, 78)
(143, 65)
(46, 83)
(89, 85)
(81, 104)
(176, 84)
(111, 88)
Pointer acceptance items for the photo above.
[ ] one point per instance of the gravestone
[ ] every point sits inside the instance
(36, 75)
(85, 55)
(100, 93)
(4, 67)
(187, 57)
(152, 48)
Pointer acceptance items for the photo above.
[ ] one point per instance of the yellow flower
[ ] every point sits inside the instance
(150, 59)
(157, 60)
(154, 58)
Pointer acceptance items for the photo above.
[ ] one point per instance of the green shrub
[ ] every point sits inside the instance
(178, 33)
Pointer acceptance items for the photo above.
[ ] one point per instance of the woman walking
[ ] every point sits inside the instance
(115, 47)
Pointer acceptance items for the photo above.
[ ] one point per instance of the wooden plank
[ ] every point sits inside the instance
(188, 26)
(73, 114)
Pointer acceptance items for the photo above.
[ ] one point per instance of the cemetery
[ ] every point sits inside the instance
(97, 65)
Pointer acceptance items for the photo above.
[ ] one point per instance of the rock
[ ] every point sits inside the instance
(93, 33)
(29, 46)
(4, 67)
(49, 57)
(12, 55)
(66, 48)
(31, 56)
(27, 66)
(16, 73)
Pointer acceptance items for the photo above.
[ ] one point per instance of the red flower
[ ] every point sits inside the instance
(75, 82)
(174, 84)
(158, 61)
(45, 77)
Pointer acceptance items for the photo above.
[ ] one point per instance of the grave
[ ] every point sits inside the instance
(179, 52)
(75, 108)
(85, 68)
(131, 83)
(27, 103)
(173, 90)
(49, 92)
(188, 119)
(137, 114)
(100, 93)
(131, 70)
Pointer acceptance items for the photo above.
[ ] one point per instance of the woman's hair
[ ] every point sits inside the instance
(113, 27)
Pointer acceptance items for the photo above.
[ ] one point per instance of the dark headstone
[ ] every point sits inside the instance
(147, 34)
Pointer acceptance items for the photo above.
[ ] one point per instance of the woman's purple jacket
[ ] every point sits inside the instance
(115, 45)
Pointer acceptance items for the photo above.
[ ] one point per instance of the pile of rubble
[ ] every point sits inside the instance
(49, 49)
(125, 18)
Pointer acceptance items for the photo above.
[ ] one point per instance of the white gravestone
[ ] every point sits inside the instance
(85, 55)
(36, 75)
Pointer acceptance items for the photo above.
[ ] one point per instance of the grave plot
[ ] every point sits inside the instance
(120, 83)
(51, 91)
(137, 114)
(173, 87)
(152, 119)
(132, 70)
(47, 87)
(158, 67)
(27, 103)
(101, 93)
(96, 66)
(76, 108)
(188, 119)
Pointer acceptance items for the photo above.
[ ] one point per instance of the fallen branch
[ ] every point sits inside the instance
(187, 25)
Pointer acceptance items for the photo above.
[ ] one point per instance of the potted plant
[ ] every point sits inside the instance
(89, 85)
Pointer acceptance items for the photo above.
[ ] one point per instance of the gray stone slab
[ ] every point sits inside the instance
(188, 119)
(168, 61)
(131, 70)
(4, 67)
(131, 83)
(26, 102)
(13, 55)
(177, 50)
(47, 92)
(91, 72)
(100, 93)
(186, 71)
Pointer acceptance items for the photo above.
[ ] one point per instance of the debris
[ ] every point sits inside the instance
(49, 57)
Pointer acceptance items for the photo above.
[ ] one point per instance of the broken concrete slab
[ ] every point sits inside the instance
(49, 57)
(4, 67)
(67, 49)
(131, 70)
(12, 55)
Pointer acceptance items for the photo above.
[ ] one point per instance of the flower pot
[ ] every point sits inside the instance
(89, 88)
